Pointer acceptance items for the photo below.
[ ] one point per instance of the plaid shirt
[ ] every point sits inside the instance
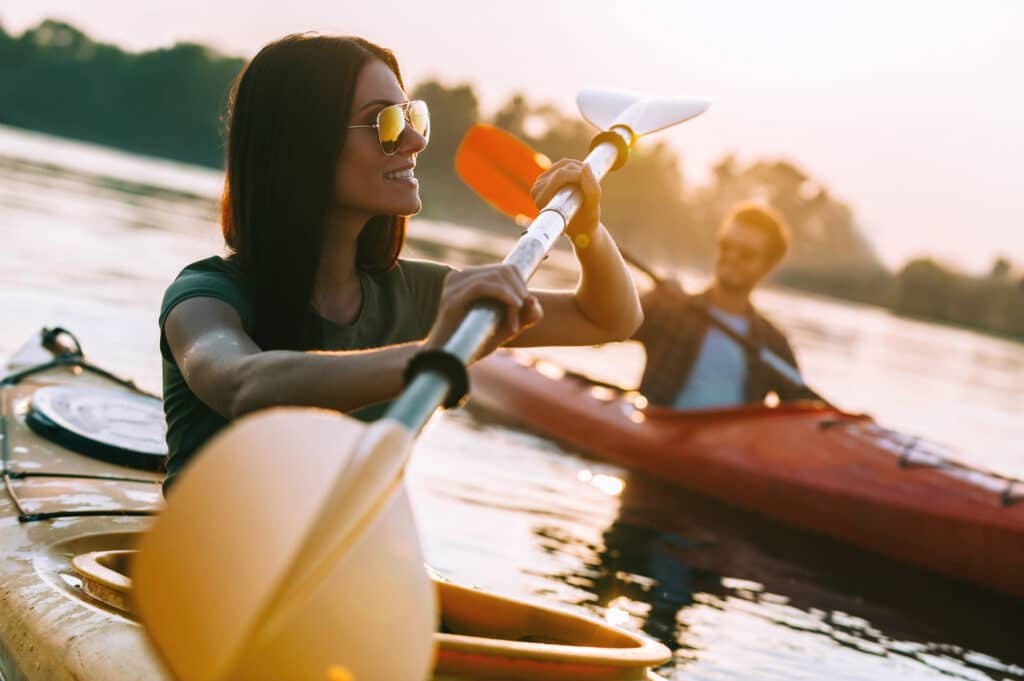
(672, 334)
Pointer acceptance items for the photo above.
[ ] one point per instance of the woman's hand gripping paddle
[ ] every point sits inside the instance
(288, 548)
(501, 169)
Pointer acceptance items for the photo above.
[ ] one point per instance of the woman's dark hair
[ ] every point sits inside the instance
(288, 113)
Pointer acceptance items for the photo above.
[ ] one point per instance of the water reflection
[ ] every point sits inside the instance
(106, 201)
(685, 569)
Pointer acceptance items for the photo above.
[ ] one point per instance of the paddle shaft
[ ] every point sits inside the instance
(428, 390)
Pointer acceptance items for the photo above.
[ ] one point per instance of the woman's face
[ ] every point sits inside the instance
(366, 181)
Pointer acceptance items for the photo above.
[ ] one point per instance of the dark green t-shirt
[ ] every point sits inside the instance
(398, 306)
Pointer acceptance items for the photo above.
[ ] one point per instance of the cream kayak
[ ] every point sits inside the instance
(79, 451)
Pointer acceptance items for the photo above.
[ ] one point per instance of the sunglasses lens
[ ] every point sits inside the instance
(744, 251)
(390, 124)
(419, 118)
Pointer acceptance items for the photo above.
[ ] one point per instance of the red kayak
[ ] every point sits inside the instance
(804, 463)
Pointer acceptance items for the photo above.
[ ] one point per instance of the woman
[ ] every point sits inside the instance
(313, 306)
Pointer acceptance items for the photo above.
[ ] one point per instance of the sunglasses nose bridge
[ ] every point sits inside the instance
(412, 140)
(411, 136)
(744, 252)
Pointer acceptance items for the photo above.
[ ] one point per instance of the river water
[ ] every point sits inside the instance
(90, 237)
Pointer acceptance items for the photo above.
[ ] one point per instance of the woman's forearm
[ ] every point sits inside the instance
(333, 380)
(606, 294)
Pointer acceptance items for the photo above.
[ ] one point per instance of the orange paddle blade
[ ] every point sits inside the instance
(501, 168)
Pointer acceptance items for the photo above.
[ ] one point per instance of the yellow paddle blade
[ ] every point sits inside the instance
(257, 569)
(372, 613)
(363, 491)
(500, 168)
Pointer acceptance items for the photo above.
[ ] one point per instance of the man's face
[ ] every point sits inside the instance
(741, 259)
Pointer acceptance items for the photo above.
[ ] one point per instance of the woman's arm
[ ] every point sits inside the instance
(225, 368)
(605, 306)
(232, 375)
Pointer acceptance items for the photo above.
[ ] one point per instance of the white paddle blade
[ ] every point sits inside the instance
(605, 109)
(601, 108)
(209, 575)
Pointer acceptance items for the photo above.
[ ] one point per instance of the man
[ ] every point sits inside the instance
(693, 361)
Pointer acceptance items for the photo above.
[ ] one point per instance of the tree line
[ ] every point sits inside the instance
(172, 103)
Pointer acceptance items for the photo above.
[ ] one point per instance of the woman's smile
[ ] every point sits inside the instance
(404, 176)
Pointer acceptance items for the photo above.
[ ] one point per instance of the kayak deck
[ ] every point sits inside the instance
(47, 629)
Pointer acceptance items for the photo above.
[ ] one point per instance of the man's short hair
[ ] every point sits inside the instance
(766, 221)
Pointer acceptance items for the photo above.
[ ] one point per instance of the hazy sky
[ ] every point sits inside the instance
(913, 112)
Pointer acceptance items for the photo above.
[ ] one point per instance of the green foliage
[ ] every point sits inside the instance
(166, 102)
(1000, 268)
(995, 303)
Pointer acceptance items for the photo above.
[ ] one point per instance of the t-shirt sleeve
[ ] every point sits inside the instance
(648, 327)
(194, 282)
(425, 280)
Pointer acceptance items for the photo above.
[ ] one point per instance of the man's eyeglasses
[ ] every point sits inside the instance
(391, 124)
(743, 250)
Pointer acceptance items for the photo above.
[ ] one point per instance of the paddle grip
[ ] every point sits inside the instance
(447, 365)
(621, 138)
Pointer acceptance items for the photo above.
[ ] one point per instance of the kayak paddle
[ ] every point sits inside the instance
(501, 169)
(288, 548)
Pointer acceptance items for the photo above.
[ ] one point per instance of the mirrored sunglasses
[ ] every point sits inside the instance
(392, 122)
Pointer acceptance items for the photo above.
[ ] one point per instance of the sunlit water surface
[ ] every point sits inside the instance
(90, 237)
